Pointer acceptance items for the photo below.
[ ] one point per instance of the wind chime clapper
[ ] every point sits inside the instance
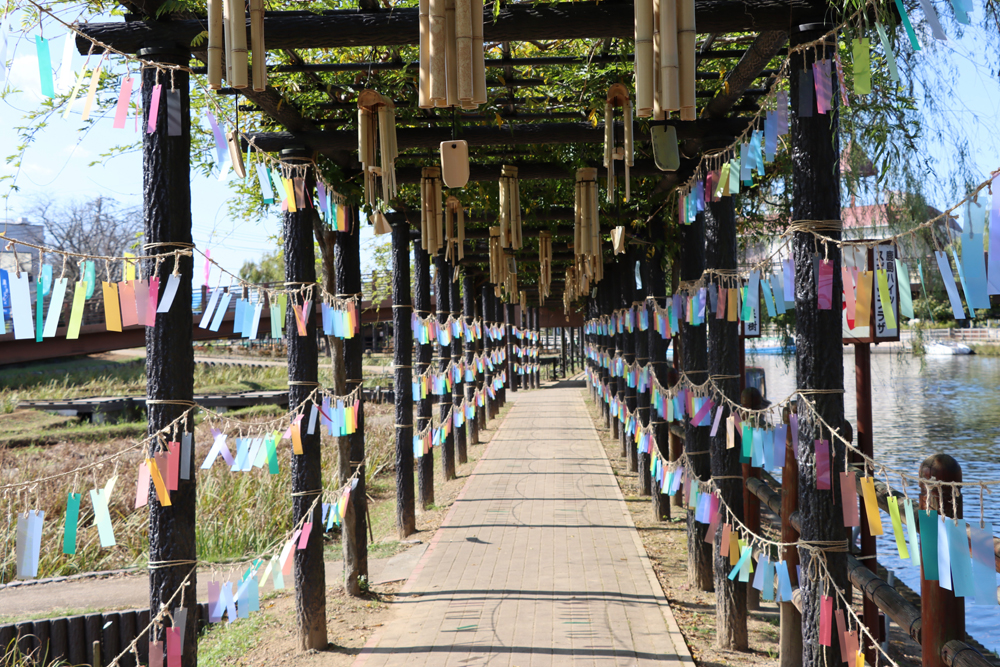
(544, 265)
(665, 58)
(452, 66)
(227, 33)
(431, 214)
(510, 208)
(454, 230)
(618, 97)
(587, 230)
(377, 128)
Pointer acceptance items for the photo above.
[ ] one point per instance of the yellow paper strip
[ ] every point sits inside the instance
(296, 439)
(732, 302)
(161, 488)
(863, 306)
(734, 550)
(871, 506)
(76, 312)
(112, 309)
(290, 192)
(897, 527)
(129, 267)
(73, 95)
(95, 79)
(883, 296)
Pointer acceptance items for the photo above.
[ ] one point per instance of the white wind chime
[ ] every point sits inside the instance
(665, 58)
(618, 97)
(377, 129)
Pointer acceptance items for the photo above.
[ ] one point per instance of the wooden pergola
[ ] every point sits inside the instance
(724, 112)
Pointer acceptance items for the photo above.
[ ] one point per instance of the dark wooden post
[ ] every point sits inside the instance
(469, 313)
(562, 350)
(942, 612)
(605, 305)
(815, 151)
(694, 362)
(538, 346)
(724, 367)
(512, 378)
(488, 319)
(791, 619)
(442, 285)
(303, 376)
(660, 369)
(869, 551)
(402, 359)
(166, 194)
(499, 314)
(425, 353)
(752, 399)
(626, 291)
(355, 532)
(458, 390)
(641, 342)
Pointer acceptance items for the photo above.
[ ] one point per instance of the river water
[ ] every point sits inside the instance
(919, 408)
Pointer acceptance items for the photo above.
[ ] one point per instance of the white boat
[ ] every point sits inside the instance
(938, 348)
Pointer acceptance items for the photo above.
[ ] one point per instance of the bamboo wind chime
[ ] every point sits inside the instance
(618, 97)
(377, 127)
(454, 229)
(544, 265)
(587, 231)
(510, 208)
(431, 214)
(503, 267)
(227, 33)
(452, 68)
(665, 58)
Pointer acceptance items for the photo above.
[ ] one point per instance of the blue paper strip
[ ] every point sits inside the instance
(928, 543)
(45, 66)
(961, 561)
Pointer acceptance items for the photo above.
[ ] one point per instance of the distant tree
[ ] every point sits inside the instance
(268, 269)
(99, 226)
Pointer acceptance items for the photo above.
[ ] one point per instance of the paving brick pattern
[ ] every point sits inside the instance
(538, 561)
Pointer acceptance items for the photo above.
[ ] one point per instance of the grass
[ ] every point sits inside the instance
(221, 641)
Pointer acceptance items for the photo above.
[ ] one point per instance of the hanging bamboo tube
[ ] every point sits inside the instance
(451, 53)
(609, 144)
(437, 52)
(463, 46)
(454, 229)
(215, 43)
(366, 152)
(644, 57)
(430, 210)
(510, 208)
(259, 71)
(686, 58)
(658, 113)
(227, 40)
(478, 55)
(424, 80)
(498, 262)
(669, 81)
(238, 43)
(544, 264)
(377, 127)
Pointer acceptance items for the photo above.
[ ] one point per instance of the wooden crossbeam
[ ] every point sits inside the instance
(516, 22)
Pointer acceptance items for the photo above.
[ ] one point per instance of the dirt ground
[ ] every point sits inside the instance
(273, 639)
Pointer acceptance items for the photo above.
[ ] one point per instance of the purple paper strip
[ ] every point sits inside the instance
(823, 464)
(793, 423)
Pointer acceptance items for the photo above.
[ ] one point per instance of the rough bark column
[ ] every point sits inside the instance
(425, 354)
(562, 350)
(660, 369)
(815, 149)
(442, 285)
(469, 312)
(500, 318)
(538, 346)
(627, 294)
(694, 362)
(303, 375)
(458, 390)
(402, 351)
(724, 368)
(604, 308)
(489, 404)
(508, 335)
(166, 192)
(626, 350)
(641, 339)
(348, 266)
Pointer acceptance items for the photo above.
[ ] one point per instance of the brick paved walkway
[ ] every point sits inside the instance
(538, 561)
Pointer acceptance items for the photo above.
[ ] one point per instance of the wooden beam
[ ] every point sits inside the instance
(516, 22)
(704, 130)
(763, 49)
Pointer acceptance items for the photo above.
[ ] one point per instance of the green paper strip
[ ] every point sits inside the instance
(72, 519)
(272, 454)
(39, 311)
(883, 297)
(734, 177)
(897, 527)
(720, 189)
(45, 66)
(909, 26)
(283, 303)
(90, 277)
(929, 543)
(889, 55)
(102, 517)
(911, 530)
(76, 313)
(862, 66)
(905, 298)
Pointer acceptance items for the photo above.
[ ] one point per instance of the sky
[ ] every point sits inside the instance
(57, 163)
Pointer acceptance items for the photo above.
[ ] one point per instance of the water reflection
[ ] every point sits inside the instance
(919, 408)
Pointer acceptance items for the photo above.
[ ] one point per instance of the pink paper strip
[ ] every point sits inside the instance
(126, 297)
(304, 537)
(823, 85)
(849, 496)
(141, 290)
(142, 488)
(154, 295)
(718, 420)
(714, 516)
(208, 264)
(174, 647)
(173, 465)
(822, 464)
(121, 111)
(826, 621)
(825, 296)
(154, 108)
(700, 415)
(849, 297)
(155, 654)
(841, 631)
